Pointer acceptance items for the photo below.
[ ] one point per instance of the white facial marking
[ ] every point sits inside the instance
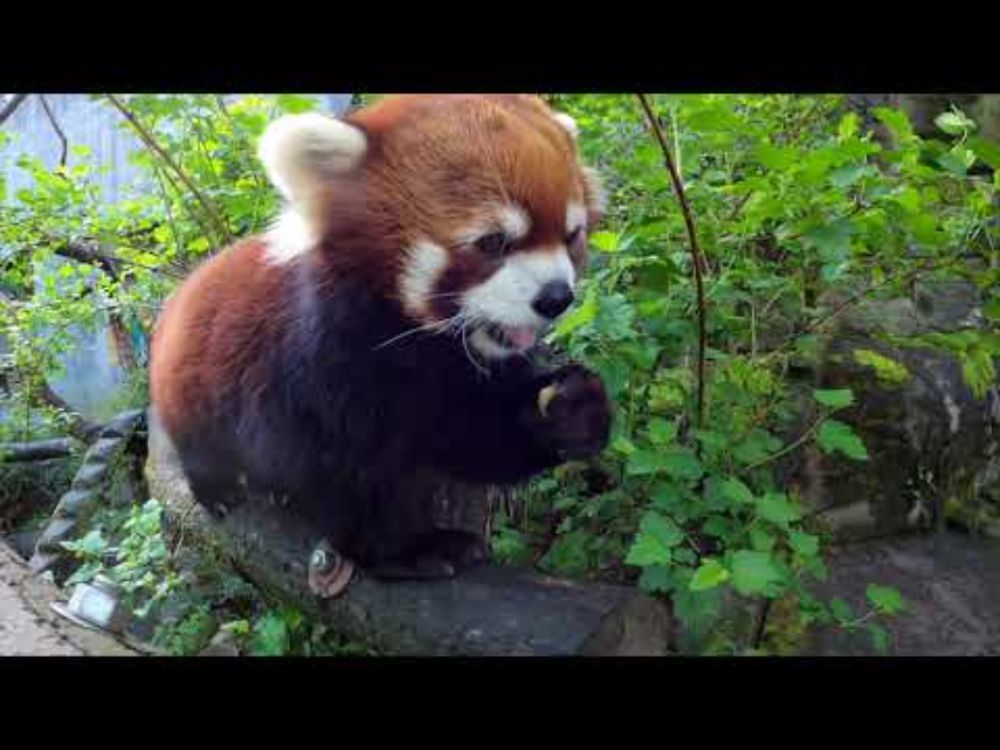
(515, 221)
(289, 237)
(512, 220)
(506, 298)
(568, 123)
(482, 343)
(576, 217)
(424, 263)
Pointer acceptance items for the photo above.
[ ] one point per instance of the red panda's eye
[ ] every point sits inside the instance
(496, 244)
(573, 236)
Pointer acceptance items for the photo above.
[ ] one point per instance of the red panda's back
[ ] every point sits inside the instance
(210, 332)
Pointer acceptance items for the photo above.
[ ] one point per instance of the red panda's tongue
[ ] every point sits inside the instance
(522, 337)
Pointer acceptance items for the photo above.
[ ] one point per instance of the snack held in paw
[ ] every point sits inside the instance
(577, 411)
(387, 325)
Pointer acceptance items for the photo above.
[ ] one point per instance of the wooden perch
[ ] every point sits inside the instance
(39, 450)
(488, 611)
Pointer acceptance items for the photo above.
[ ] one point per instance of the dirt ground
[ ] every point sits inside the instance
(29, 627)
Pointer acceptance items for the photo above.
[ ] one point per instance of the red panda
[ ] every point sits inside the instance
(387, 324)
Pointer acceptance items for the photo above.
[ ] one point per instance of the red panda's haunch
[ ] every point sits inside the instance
(386, 324)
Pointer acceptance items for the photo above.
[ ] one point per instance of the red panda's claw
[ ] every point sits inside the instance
(329, 572)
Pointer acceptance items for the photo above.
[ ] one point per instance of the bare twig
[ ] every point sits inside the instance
(760, 620)
(11, 107)
(791, 446)
(698, 262)
(77, 425)
(150, 142)
(59, 131)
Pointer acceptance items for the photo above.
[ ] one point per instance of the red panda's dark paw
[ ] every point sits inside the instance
(576, 413)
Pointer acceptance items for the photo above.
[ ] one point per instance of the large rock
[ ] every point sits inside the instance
(932, 443)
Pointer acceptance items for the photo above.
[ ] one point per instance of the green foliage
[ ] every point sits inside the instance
(887, 370)
(792, 197)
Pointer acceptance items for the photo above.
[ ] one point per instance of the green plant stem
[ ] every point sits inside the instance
(791, 446)
(696, 255)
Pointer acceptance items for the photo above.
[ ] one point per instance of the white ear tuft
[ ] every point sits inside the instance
(597, 196)
(299, 151)
(568, 123)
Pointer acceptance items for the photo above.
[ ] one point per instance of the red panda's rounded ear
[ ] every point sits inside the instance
(300, 151)
(595, 196)
(568, 124)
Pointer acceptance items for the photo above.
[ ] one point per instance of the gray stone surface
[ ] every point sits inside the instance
(950, 581)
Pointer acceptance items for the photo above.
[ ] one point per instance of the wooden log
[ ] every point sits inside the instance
(487, 611)
(39, 450)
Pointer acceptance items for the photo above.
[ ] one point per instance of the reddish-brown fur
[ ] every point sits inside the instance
(423, 176)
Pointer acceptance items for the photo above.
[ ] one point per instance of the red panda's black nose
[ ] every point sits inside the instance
(553, 299)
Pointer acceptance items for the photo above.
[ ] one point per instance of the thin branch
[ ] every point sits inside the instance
(760, 620)
(11, 107)
(77, 425)
(696, 255)
(151, 143)
(791, 446)
(59, 132)
(88, 253)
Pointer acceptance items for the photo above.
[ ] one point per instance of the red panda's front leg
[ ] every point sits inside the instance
(559, 417)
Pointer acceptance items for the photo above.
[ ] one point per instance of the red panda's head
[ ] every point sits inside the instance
(471, 211)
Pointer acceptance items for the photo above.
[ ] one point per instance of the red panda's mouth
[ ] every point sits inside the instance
(518, 338)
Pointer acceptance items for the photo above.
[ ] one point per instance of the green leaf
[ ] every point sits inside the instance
(754, 572)
(656, 579)
(880, 637)
(832, 240)
(606, 242)
(657, 535)
(735, 490)
(957, 160)
(644, 461)
(841, 611)
(270, 636)
(835, 399)
(848, 126)
(662, 528)
(837, 437)
(775, 507)
(666, 496)
(806, 545)
(846, 176)
(885, 598)
(710, 574)
(583, 314)
(762, 540)
(896, 120)
(887, 370)
(992, 309)
(683, 464)
(662, 431)
(987, 151)
(954, 123)
(646, 550)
